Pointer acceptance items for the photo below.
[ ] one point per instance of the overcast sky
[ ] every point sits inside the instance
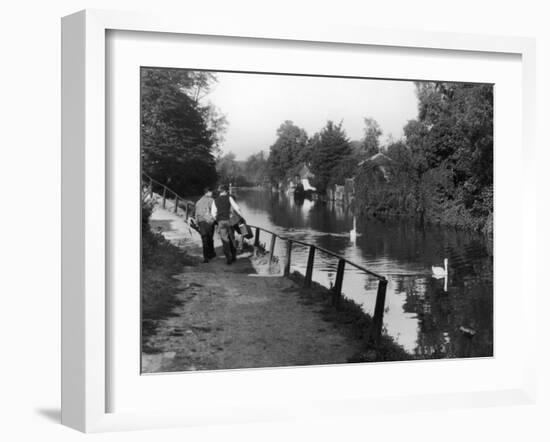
(257, 104)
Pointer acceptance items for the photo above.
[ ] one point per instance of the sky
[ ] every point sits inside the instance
(255, 105)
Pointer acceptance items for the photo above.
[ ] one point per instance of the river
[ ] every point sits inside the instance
(421, 314)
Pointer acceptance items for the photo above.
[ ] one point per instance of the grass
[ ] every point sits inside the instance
(351, 318)
(161, 260)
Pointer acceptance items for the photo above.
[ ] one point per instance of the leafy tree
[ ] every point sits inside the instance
(228, 168)
(329, 148)
(179, 135)
(457, 135)
(371, 142)
(251, 172)
(345, 168)
(255, 168)
(442, 171)
(287, 152)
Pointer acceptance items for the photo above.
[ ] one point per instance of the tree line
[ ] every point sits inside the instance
(248, 173)
(329, 153)
(440, 172)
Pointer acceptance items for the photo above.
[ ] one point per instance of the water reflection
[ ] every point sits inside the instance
(420, 314)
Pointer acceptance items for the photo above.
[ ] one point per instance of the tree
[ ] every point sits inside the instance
(443, 170)
(329, 148)
(255, 168)
(179, 135)
(287, 152)
(227, 167)
(371, 141)
(455, 131)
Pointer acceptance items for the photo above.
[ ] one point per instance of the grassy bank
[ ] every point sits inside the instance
(351, 318)
(160, 261)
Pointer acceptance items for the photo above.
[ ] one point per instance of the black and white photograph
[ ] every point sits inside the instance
(295, 220)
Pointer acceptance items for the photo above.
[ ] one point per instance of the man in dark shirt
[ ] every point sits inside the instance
(203, 214)
(221, 211)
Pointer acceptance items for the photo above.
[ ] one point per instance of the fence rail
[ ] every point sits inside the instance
(188, 207)
(148, 185)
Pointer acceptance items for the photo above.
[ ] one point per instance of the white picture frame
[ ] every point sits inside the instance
(85, 198)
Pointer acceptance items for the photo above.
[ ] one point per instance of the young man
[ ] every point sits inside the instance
(203, 214)
(221, 211)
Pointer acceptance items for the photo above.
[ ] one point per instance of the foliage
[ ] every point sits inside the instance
(345, 168)
(255, 168)
(328, 150)
(179, 134)
(247, 173)
(331, 156)
(371, 141)
(442, 172)
(228, 168)
(288, 151)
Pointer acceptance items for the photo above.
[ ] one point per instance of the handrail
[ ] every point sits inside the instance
(178, 199)
(377, 320)
(321, 249)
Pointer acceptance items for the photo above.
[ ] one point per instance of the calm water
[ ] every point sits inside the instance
(420, 314)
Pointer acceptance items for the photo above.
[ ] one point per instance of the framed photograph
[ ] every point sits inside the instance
(275, 222)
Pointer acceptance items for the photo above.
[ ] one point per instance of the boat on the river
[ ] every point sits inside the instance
(301, 191)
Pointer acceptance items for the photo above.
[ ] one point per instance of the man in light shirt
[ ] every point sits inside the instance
(221, 211)
(203, 214)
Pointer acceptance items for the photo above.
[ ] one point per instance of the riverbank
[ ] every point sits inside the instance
(353, 320)
(160, 260)
(223, 317)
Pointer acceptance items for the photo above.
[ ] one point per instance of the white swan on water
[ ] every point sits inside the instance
(353, 233)
(440, 272)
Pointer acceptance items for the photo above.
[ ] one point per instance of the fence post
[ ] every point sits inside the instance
(257, 237)
(377, 320)
(288, 256)
(337, 289)
(164, 197)
(151, 188)
(272, 248)
(309, 270)
(176, 205)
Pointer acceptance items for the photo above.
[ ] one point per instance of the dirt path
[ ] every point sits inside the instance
(228, 317)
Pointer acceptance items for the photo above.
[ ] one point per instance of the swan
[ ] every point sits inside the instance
(353, 233)
(440, 272)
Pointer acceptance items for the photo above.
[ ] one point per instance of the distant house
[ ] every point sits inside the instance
(380, 161)
(339, 192)
(305, 172)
